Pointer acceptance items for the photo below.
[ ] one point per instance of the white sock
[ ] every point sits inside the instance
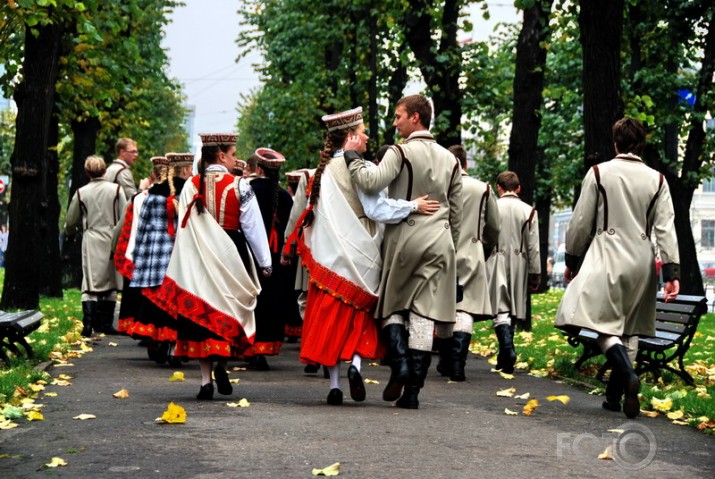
(606, 342)
(334, 372)
(357, 361)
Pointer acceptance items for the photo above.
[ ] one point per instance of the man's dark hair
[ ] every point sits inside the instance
(460, 153)
(417, 104)
(508, 180)
(629, 136)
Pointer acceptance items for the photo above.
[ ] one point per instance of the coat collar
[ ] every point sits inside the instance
(628, 157)
(423, 135)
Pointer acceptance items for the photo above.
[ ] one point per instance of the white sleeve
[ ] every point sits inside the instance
(252, 225)
(382, 209)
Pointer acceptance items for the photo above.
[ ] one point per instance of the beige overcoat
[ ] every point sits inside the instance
(300, 202)
(479, 232)
(95, 209)
(419, 254)
(623, 203)
(120, 173)
(517, 255)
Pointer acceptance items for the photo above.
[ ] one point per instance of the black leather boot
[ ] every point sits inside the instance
(443, 346)
(89, 311)
(460, 348)
(507, 356)
(622, 367)
(419, 364)
(614, 393)
(395, 337)
(106, 317)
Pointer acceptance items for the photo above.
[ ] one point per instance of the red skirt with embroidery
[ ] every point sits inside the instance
(334, 331)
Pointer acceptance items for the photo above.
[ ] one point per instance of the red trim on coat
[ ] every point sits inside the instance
(204, 349)
(124, 265)
(264, 348)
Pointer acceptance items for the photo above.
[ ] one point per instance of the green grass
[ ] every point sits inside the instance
(544, 352)
(56, 337)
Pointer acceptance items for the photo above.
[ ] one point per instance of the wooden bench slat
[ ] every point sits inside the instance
(678, 329)
(672, 317)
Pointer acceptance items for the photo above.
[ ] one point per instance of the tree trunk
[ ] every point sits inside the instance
(601, 23)
(50, 279)
(373, 108)
(35, 99)
(395, 87)
(691, 281)
(85, 144)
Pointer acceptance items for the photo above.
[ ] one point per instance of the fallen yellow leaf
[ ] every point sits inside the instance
(509, 412)
(56, 462)
(662, 405)
(50, 395)
(7, 424)
(35, 416)
(507, 393)
(121, 394)
(244, 403)
(675, 414)
(37, 387)
(529, 407)
(373, 364)
(650, 413)
(563, 399)
(83, 417)
(234, 381)
(607, 455)
(174, 414)
(371, 381)
(237, 368)
(523, 396)
(522, 365)
(506, 376)
(680, 423)
(177, 376)
(332, 470)
(64, 377)
(61, 382)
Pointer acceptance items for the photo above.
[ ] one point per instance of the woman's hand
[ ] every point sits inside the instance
(425, 206)
(267, 271)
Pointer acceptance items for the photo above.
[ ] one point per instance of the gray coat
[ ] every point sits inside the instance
(95, 210)
(419, 253)
(120, 173)
(623, 203)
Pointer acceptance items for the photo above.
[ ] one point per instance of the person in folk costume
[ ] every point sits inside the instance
(273, 308)
(239, 167)
(95, 210)
(124, 242)
(517, 266)
(623, 203)
(211, 283)
(419, 276)
(479, 235)
(340, 249)
(153, 246)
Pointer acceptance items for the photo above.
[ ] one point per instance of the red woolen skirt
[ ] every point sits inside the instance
(334, 331)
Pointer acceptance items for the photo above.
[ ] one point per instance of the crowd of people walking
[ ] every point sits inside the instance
(389, 260)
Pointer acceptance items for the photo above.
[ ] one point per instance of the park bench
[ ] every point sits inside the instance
(13, 329)
(675, 326)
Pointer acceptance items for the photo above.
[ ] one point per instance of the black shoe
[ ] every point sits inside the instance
(311, 368)
(395, 337)
(335, 397)
(460, 348)
(409, 400)
(261, 363)
(223, 385)
(611, 406)
(507, 356)
(357, 387)
(87, 331)
(109, 331)
(628, 379)
(206, 393)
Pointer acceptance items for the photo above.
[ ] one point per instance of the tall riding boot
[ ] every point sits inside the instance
(106, 317)
(395, 337)
(89, 311)
(460, 348)
(622, 367)
(507, 356)
(444, 366)
(614, 392)
(419, 364)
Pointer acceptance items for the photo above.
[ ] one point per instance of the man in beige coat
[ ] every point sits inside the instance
(517, 265)
(95, 210)
(120, 170)
(479, 235)
(418, 282)
(623, 203)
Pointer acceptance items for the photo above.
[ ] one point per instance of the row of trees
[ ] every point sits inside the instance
(82, 74)
(553, 87)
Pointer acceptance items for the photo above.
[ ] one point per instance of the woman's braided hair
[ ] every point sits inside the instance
(334, 140)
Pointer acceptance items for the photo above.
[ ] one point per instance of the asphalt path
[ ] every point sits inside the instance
(461, 430)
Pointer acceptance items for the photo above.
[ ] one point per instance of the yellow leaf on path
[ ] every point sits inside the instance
(244, 403)
(234, 381)
(650, 413)
(332, 470)
(121, 394)
(523, 396)
(8, 424)
(680, 423)
(493, 362)
(114, 345)
(177, 376)
(63, 365)
(56, 462)
(371, 381)
(617, 431)
(35, 416)
(373, 364)
(607, 455)
(522, 365)
(50, 395)
(563, 398)
(83, 417)
(61, 382)
(675, 414)
(509, 412)
(506, 376)
(238, 369)
(174, 414)
(232, 404)
(507, 393)
(37, 387)
(64, 377)
(662, 405)
(530, 406)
